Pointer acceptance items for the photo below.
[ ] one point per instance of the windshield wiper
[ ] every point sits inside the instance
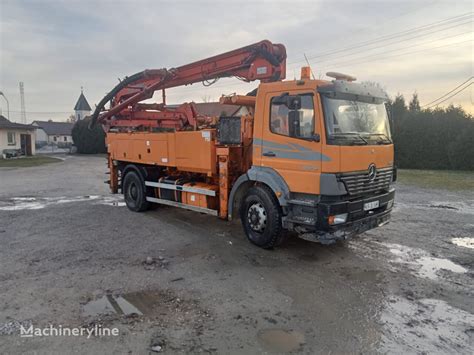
(351, 134)
(384, 138)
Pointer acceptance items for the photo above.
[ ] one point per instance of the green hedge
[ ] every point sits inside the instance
(431, 139)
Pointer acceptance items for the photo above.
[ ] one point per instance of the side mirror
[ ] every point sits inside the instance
(316, 137)
(292, 102)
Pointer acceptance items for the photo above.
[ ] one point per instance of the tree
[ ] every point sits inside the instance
(414, 103)
(88, 141)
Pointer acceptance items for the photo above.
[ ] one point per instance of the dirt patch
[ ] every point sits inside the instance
(281, 340)
(162, 310)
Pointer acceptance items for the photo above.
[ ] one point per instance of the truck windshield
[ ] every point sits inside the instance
(356, 121)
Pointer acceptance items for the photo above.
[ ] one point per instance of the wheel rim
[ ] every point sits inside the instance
(133, 192)
(257, 217)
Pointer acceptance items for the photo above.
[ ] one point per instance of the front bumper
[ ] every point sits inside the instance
(358, 220)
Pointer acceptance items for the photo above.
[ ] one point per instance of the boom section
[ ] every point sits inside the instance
(262, 61)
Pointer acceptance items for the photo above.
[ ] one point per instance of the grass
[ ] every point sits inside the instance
(28, 161)
(438, 179)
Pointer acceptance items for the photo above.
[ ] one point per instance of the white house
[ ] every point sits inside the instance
(16, 137)
(50, 132)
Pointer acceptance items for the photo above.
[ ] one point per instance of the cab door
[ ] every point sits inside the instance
(290, 142)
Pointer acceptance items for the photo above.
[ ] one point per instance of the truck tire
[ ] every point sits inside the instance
(260, 214)
(134, 192)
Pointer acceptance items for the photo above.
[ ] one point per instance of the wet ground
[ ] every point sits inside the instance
(174, 281)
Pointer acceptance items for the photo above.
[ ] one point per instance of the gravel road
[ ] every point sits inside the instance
(175, 281)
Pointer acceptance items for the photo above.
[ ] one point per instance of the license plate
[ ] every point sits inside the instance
(371, 205)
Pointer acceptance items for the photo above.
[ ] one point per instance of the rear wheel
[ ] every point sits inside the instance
(134, 192)
(260, 214)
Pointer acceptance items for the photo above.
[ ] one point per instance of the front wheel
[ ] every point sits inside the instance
(134, 192)
(260, 214)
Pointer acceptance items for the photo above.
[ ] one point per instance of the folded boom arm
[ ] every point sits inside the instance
(262, 61)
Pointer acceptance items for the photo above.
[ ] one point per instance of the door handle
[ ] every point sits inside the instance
(269, 154)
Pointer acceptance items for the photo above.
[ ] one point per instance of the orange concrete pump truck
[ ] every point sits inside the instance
(310, 156)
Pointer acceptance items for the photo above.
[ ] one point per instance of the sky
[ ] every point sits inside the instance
(56, 47)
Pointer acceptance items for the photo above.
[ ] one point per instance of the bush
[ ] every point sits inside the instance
(88, 141)
(432, 139)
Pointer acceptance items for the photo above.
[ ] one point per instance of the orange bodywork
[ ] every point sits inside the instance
(192, 151)
(200, 200)
(300, 162)
(303, 175)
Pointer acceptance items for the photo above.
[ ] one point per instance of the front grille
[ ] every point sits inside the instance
(357, 182)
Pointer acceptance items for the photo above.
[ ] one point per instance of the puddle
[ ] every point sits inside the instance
(23, 199)
(464, 242)
(23, 205)
(110, 304)
(429, 325)
(447, 207)
(140, 303)
(430, 266)
(281, 340)
(115, 200)
(33, 203)
(421, 263)
(466, 207)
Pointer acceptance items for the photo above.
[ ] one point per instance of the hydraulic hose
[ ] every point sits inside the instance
(128, 80)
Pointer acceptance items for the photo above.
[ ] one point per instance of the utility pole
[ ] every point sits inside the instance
(22, 99)
(8, 104)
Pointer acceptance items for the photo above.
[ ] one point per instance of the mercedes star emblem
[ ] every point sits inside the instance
(372, 172)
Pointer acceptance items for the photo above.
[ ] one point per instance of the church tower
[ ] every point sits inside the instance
(82, 108)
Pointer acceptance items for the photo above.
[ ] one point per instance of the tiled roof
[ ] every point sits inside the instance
(5, 123)
(55, 128)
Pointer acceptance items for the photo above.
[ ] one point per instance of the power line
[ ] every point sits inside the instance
(394, 50)
(464, 88)
(449, 92)
(346, 63)
(405, 40)
(446, 21)
(42, 112)
(389, 19)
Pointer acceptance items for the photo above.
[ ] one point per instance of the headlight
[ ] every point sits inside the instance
(338, 219)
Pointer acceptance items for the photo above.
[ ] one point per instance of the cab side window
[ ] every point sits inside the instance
(282, 120)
